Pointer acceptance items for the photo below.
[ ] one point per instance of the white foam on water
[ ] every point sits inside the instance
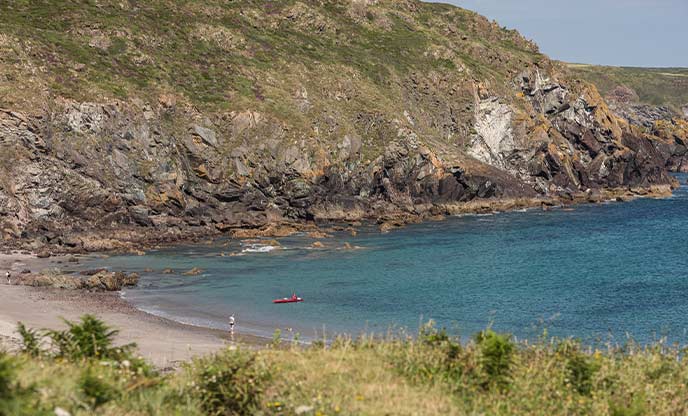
(258, 248)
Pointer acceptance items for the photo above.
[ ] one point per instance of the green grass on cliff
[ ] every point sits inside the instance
(656, 86)
(431, 374)
(231, 54)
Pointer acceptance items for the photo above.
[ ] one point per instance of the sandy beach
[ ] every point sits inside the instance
(162, 342)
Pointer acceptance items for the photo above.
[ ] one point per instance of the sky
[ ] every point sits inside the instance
(649, 33)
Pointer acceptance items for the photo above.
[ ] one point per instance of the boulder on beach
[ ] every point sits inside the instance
(51, 280)
(110, 281)
(132, 279)
(318, 244)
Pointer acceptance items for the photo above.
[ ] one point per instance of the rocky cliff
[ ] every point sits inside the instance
(122, 116)
(652, 100)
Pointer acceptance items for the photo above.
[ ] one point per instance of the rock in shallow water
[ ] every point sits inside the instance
(193, 272)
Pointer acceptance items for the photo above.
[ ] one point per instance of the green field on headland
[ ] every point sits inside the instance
(654, 86)
(83, 374)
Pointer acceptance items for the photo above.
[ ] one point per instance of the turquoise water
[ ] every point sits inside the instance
(594, 272)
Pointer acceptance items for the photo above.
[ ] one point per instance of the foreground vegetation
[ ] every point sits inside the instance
(79, 372)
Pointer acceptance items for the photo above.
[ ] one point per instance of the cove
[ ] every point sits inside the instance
(596, 272)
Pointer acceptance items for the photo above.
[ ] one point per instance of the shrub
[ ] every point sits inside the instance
(430, 335)
(635, 408)
(580, 372)
(31, 340)
(228, 383)
(496, 357)
(6, 376)
(276, 338)
(97, 391)
(15, 400)
(434, 357)
(91, 338)
(580, 368)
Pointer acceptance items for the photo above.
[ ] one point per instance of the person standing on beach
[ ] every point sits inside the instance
(8, 276)
(231, 324)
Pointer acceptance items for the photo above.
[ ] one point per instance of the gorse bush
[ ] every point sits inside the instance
(496, 357)
(228, 383)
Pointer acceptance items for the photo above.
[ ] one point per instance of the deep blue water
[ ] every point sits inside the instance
(592, 272)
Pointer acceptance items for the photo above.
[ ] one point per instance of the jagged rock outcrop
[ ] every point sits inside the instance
(667, 128)
(379, 110)
(652, 101)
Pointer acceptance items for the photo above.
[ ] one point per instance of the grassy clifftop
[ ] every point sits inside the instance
(656, 86)
(232, 54)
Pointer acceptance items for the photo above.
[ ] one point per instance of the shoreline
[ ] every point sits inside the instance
(163, 342)
(136, 240)
(167, 342)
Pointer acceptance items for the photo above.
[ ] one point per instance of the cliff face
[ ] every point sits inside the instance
(654, 101)
(171, 115)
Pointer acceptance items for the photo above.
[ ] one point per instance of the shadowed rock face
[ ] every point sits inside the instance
(652, 101)
(667, 127)
(411, 144)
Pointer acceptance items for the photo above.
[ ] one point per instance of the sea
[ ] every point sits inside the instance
(609, 272)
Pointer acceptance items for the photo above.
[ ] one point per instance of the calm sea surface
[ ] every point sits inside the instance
(593, 272)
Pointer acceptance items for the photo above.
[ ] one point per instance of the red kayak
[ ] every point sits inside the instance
(292, 299)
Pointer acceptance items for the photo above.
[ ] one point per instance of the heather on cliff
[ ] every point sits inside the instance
(219, 115)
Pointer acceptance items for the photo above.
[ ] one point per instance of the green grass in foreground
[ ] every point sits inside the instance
(429, 374)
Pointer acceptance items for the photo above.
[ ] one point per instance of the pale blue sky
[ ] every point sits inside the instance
(610, 32)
